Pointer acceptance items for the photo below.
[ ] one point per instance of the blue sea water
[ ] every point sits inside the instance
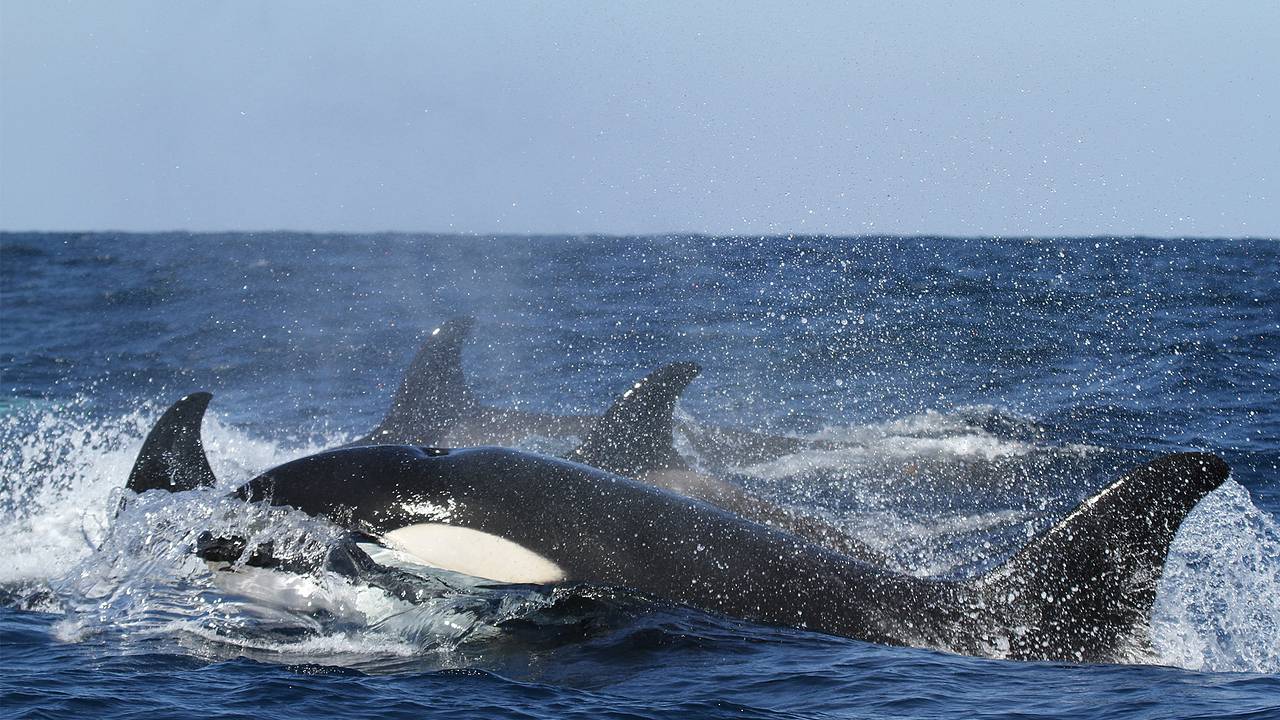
(978, 390)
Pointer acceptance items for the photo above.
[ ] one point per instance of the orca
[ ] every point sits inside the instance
(434, 405)
(1080, 591)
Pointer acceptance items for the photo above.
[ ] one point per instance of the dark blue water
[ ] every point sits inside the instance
(981, 389)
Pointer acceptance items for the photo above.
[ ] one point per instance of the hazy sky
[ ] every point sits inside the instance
(1020, 118)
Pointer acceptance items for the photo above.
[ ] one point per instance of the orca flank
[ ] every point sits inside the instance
(634, 437)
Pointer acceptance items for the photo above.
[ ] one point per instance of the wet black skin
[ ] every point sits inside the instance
(433, 406)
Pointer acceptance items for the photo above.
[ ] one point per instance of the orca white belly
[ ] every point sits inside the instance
(472, 552)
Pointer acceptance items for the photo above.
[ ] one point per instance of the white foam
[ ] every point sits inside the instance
(1218, 607)
(960, 447)
(129, 573)
(64, 477)
(58, 483)
(927, 435)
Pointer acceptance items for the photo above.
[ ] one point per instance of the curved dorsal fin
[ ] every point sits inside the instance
(172, 457)
(433, 395)
(635, 435)
(1081, 588)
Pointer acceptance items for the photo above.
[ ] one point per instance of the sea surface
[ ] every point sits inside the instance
(976, 389)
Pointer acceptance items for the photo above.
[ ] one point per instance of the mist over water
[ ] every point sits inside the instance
(976, 391)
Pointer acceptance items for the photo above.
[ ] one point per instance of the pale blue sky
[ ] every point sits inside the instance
(974, 119)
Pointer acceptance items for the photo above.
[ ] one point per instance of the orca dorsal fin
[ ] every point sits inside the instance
(172, 457)
(635, 435)
(433, 395)
(1083, 589)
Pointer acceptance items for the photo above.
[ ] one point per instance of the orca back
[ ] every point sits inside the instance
(433, 395)
(636, 435)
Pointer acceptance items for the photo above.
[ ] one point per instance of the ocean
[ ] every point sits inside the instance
(962, 395)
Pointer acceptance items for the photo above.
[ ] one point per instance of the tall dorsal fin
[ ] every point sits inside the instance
(1081, 588)
(635, 435)
(433, 395)
(172, 457)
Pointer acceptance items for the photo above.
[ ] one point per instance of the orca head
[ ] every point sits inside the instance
(440, 507)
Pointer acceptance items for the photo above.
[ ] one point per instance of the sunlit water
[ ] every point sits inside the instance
(977, 391)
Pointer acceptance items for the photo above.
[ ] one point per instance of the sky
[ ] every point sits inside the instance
(1133, 118)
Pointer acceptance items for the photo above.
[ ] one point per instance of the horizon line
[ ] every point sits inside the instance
(646, 235)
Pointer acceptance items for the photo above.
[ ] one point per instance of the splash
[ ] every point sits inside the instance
(1218, 608)
(57, 481)
(977, 433)
(937, 494)
(61, 478)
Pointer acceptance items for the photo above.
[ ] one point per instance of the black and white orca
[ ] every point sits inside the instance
(1081, 591)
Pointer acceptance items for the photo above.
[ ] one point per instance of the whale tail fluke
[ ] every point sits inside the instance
(433, 395)
(172, 457)
(636, 434)
(1080, 590)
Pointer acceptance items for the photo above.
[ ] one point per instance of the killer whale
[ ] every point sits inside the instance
(434, 405)
(1080, 591)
